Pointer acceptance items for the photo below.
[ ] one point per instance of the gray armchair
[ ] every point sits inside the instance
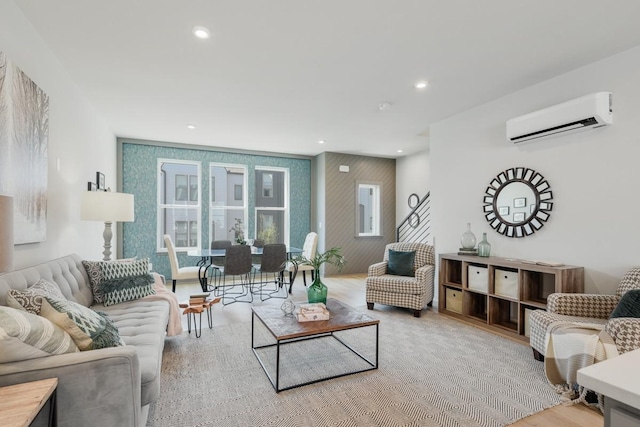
(403, 291)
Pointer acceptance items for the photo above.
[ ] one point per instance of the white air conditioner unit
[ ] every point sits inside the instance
(587, 112)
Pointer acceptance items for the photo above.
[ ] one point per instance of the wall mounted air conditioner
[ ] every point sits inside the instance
(587, 112)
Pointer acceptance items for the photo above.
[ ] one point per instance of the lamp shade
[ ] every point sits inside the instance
(6, 234)
(107, 206)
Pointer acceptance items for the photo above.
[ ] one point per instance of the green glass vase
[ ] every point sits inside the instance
(317, 292)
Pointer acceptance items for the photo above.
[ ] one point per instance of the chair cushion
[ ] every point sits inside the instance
(628, 306)
(395, 284)
(401, 263)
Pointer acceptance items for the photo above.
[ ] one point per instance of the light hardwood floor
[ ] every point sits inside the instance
(351, 289)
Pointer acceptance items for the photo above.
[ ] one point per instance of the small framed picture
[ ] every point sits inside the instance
(503, 210)
(100, 180)
(520, 202)
(91, 186)
(518, 216)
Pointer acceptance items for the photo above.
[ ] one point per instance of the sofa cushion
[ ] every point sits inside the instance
(142, 324)
(129, 288)
(628, 306)
(94, 271)
(30, 299)
(26, 336)
(401, 263)
(89, 329)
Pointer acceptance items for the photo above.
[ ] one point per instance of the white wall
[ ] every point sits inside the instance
(78, 136)
(412, 176)
(594, 175)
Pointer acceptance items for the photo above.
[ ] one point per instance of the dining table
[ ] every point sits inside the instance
(208, 256)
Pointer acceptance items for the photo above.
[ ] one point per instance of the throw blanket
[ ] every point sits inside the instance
(175, 322)
(571, 346)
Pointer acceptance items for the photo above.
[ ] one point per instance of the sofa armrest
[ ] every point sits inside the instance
(96, 386)
(583, 305)
(625, 332)
(377, 269)
(425, 274)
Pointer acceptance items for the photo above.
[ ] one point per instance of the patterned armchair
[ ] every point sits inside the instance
(588, 308)
(403, 291)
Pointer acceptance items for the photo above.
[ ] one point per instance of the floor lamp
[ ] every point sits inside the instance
(6, 234)
(109, 207)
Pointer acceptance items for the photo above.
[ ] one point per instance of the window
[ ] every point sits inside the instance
(228, 212)
(267, 185)
(272, 204)
(368, 216)
(178, 203)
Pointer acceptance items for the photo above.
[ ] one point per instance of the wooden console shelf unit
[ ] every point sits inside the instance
(497, 293)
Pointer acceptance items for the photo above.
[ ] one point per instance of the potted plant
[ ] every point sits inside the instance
(238, 231)
(317, 292)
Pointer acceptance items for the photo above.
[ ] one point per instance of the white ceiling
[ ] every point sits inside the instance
(279, 75)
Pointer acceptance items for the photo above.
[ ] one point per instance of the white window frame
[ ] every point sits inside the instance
(286, 202)
(161, 206)
(376, 208)
(244, 206)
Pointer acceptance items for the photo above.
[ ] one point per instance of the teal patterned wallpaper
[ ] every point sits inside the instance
(139, 163)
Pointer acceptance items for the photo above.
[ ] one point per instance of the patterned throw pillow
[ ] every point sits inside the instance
(95, 275)
(26, 336)
(127, 288)
(89, 329)
(117, 270)
(30, 299)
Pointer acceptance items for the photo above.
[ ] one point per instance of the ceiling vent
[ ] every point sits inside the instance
(587, 112)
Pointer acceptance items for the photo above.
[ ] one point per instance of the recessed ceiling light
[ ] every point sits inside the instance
(201, 32)
(384, 106)
(399, 151)
(421, 84)
(191, 126)
(321, 141)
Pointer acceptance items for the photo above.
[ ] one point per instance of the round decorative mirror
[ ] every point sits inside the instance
(517, 202)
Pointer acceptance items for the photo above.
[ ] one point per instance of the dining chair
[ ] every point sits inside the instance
(237, 267)
(177, 272)
(308, 251)
(271, 270)
(217, 264)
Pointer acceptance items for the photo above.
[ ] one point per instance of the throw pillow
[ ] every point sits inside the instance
(95, 275)
(116, 270)
(401, 263)
(628, 306)
(26, 336)
(30, 299)
(116, 291)
(89, 329)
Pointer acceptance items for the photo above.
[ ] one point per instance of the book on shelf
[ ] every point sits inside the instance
(542, 262)
(467, 251)
(197, 300)
(312, 312)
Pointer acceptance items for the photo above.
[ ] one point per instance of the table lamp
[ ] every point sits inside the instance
(6, 234)
(109, 207)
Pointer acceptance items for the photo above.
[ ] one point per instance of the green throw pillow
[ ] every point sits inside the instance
(89, 329)
(128, 288)
(25, 336)
(401, 263)
(628, 306)
(95, 273)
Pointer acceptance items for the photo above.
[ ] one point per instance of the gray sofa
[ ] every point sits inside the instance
(105, 387)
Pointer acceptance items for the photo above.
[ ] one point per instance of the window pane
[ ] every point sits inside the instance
(174, 183)
(181, 188)
(270, 188)
(227, 224)
(223, 185)
(181, 224)
(193, 188)
(270, 225)
(368, 210)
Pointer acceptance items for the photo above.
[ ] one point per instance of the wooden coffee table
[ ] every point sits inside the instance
(287, 330)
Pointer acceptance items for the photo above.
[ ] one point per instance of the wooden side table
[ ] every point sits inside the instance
(192, 309)
(21, 403)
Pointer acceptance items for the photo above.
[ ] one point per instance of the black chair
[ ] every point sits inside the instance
(217, 264)
(271, 270)
(237, 267)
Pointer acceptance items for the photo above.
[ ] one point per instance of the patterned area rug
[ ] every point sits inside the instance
(434, 371)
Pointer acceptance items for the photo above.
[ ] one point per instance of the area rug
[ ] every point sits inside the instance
(433, 371)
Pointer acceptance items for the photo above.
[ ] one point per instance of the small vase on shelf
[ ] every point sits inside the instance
(468, 239)
(317, 292)
(484, 247)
